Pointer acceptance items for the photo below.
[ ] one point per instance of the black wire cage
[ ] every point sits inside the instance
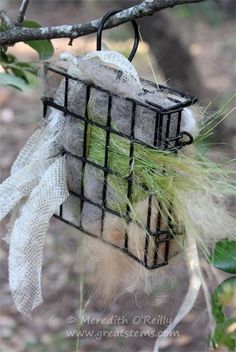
(166, 136)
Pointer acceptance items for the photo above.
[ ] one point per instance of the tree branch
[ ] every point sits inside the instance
(22, 11)
(146, 8)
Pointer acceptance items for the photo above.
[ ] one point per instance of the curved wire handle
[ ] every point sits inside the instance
(101, 26)
(190, 140)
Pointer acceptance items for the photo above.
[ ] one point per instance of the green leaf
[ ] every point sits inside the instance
(26, 74)
(18, 72)
(3, 56)
(225, 335)
(3, 27)
(43, 47)
(24, 70)
(225, 331)
(9, 80)
(6, 58)
(224, 294)
(31, 78)
(224, 256)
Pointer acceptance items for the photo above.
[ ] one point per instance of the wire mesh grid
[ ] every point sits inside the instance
(156, 239)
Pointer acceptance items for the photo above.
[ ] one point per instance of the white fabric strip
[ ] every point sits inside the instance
(27, 238)
(192, 293)
(20, 184)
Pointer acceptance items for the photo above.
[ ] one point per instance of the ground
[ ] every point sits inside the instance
(214, 50)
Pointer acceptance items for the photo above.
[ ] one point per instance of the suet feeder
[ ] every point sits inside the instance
(163, 122)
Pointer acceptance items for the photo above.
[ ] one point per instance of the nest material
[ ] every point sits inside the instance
(191, 184)
(73, 137)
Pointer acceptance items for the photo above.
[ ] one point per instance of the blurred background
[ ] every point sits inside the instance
(191, 47)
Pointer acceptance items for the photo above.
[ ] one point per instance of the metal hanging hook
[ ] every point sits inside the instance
(101, 27)
(190, 139)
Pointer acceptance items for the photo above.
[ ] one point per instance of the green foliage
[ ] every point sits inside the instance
(224, 335)
(3, 27)
(224, 294)
(44, 48)
(224, 256)
(21, 74)
(13, 81)
(225, 330)
(18, 74)
(207, 10)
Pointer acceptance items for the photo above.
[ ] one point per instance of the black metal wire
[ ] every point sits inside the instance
(130, 177)
(84, 158)
(106, 157)
(101, 26)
